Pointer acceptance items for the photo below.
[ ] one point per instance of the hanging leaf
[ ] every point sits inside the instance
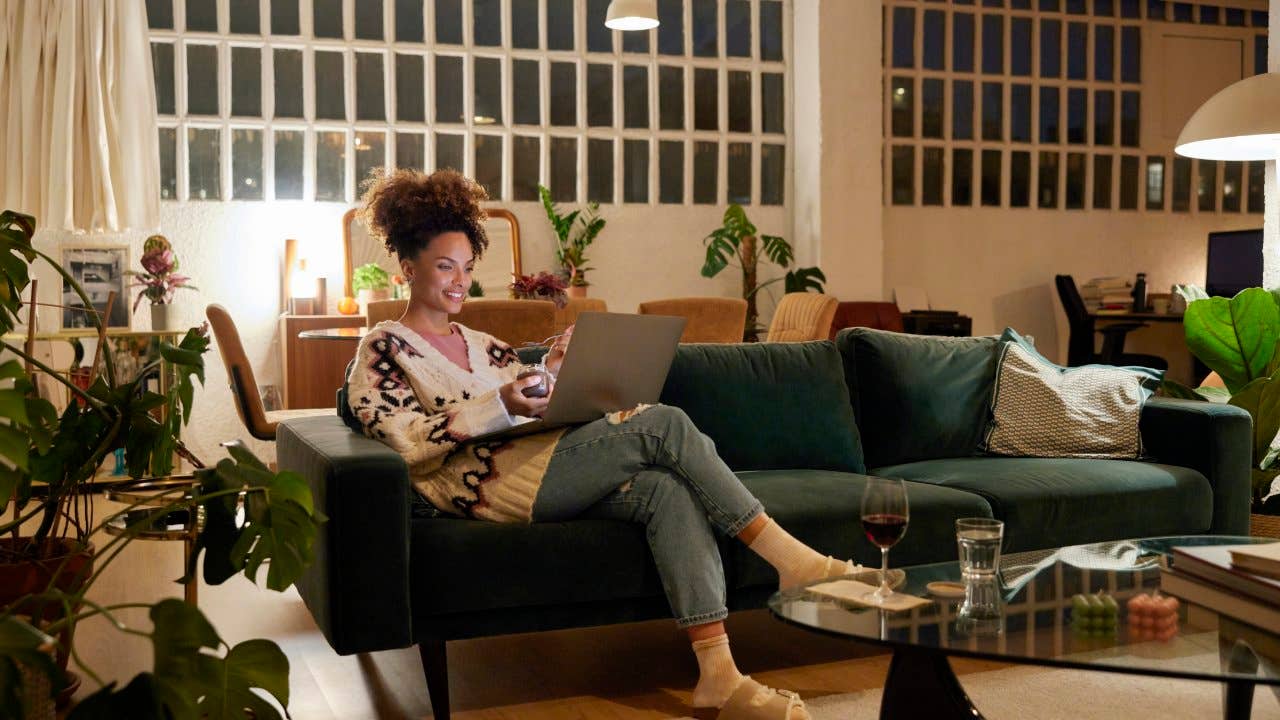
(777, 250)
(721, 245)
(804, 280)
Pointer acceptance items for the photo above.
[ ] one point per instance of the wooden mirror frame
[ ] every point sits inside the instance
(492, 213)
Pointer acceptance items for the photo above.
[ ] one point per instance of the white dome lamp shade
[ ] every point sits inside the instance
(632, 15)
(1240, 122)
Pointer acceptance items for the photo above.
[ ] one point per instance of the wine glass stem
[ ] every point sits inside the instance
(884, 571)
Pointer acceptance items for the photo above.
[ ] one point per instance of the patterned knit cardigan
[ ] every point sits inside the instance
(407, 394)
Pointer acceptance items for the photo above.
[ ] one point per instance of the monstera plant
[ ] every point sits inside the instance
(48, 461)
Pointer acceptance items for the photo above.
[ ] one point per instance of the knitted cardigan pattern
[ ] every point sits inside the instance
(408, 395)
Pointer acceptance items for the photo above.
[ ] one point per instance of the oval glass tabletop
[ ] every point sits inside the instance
(340, 333)
(1035, 623)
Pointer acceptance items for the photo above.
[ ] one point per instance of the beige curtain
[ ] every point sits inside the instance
(78, 145)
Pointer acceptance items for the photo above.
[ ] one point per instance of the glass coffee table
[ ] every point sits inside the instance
(1035, 628)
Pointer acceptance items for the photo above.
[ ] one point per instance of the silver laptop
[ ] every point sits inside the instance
(614, 362)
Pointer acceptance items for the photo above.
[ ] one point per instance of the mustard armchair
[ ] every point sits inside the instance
(802, 316)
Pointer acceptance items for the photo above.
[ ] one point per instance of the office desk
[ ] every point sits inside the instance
(1137, 316)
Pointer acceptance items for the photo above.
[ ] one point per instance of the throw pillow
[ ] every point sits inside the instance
(1039, 409)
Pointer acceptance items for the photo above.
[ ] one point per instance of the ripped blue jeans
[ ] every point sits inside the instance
(655, 468)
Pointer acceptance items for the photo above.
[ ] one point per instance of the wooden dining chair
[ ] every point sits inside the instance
(512, 321)
(260, 422)
(802, 316)
(709, 319)
(378, 310)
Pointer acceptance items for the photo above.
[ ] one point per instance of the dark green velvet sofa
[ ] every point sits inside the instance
(803, 424)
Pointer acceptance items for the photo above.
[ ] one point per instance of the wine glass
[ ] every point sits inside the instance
(884, 518)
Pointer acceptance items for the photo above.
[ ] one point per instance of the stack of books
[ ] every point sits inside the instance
(1240, 581)
(1107, 293)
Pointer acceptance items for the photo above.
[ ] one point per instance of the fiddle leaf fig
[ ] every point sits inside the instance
(1236, 338)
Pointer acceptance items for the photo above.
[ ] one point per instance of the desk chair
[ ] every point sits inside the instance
(708, 319)
(260, 423)
(802, 316)
(1080, 345)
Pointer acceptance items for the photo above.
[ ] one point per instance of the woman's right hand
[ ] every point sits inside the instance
(516, 402)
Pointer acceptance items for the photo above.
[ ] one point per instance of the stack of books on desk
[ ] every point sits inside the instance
(1239, 581)
(1107, 293)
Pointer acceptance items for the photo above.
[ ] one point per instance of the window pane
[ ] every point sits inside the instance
(449, 151)
(992, 111)
(1207, 185)
(599, 37)
(564, 169)
(160, 14)
(706, 102)
(526, 166)
(773, 174)
(737, 28)
(1257, 175)
(1155, 183)
(904, 189)
(1104, 53)
(449, 21)
(600, 93)
(488, 164)
(961, 177)
(962, 110)
(739, 101)
(331, 102)
(411, 151)
(902, 102)
(409, 23)
(1104, 8)
(772, 104)
(202, 80)
(288, 83)
(564, 94)
(904, 37)
(706, 172)
(1131, 54)
(331, 166)
(1181, 184)
(636, 41)
(410, 97)
(739, 173)
(368, 20)
(931, 100)
(1156, 9)
(1020, 113)
(770, 30)
(671, 172)
(162, 70)
(1047, 185)
(486, 19)
(1075, 181)
(1232, 186)
(371, 153)
(670, 27)
(1259, 54)
(635, 98)
(559, 24)
(448, 89)
(1077, 114)
(284, 21)
(1130, 9)
(245, 21)
(1129, 116)
(1104, 113)
(1050, 48)
(1076, 7)
(1019, 179)
(993, 44)
(991, 178)
(931, 176)
(488, 87)
(246, 83)
(599, 170)
(525, 106)
(1129, 182)
(168, 164)
(1102, 182)
(704, 28)
(1020, 46)
(962, 42)
(670, 98)
(289, 154)
(635, 159)
(1208, 15)
(202, 15)
(371, 103)
(1050, 115)
(524, 24)
(934, 44)
(1077, 51)
(203, 169)
(326, 17)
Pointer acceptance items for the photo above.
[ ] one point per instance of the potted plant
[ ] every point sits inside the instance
(50, 461)
(737, 236)
(543, 286)
(158, 280)
(574, 234)
(370, 282)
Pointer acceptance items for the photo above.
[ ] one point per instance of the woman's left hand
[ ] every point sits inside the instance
(555, 355)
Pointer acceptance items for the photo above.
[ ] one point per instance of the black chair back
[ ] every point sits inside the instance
(1080, 342)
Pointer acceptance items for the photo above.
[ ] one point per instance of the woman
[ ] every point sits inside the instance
(426, 386)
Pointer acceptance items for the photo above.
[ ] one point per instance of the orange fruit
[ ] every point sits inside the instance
(348, 306)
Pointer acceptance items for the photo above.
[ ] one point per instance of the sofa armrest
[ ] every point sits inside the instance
(1213, 438)
(357, 588)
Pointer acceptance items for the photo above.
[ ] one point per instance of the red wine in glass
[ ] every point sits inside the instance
(884, 518)
(884, 530)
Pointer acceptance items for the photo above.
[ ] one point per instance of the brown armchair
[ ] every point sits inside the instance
(568, 314)
(511, 321)
(802, 316)
(710, 319)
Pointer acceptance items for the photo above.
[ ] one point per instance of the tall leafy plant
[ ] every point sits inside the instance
(737, 236)
(575, 232)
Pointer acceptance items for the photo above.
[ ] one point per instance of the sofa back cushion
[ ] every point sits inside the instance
(918, 397)
(769, 406)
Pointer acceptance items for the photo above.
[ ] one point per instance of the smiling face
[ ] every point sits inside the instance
(439, 275)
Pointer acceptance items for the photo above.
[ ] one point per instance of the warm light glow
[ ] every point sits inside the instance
(632, 15)
(302, 282)
(1240, 122)
(483, 120)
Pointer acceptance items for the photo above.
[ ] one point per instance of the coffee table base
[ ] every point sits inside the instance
(921, 683)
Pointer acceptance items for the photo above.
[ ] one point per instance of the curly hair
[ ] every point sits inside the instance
(406, 209)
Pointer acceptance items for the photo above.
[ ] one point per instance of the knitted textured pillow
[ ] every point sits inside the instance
(1039, 409)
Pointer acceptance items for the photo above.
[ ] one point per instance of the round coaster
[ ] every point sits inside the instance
(946, 588)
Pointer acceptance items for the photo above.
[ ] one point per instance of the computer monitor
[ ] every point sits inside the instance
(1235, 262)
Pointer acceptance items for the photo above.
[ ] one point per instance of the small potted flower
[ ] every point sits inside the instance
(159, 280)
(543, 286)
(370, 282)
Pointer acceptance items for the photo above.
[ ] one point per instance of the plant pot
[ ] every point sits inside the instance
(577, 291)
(163, 317)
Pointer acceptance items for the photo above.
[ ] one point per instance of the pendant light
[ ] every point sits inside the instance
(632, 15)
(1241, 122)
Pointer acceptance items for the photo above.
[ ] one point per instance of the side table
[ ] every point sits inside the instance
(144, 522)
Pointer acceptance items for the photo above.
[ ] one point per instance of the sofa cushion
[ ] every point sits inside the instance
(918, 397)
(768, 405)
(824, 510)
(1051, 502)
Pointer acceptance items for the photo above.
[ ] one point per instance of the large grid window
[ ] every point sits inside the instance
(1022, 104)
(301, 99)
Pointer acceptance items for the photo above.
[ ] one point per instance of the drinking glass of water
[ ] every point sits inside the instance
(979, 540)
(884, 518)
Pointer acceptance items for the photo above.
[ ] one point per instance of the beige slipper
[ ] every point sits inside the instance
(753, 701)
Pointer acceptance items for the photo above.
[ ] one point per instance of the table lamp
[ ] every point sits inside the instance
(1240, 122)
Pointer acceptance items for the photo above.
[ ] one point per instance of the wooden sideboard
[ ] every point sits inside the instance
(312, 372)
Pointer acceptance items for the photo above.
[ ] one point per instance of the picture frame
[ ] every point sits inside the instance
(99, 269)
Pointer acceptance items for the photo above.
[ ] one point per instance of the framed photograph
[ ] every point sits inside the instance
(99, 270)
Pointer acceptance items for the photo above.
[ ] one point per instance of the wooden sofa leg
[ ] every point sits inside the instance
(435, 665)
